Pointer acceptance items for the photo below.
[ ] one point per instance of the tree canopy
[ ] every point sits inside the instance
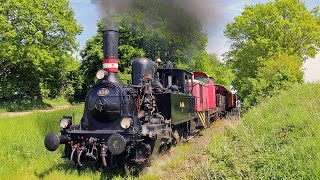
(283, 30)
(210, 64)
(37, 40)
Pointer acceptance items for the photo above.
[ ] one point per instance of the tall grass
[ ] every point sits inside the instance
(22, 151)
(278, 139)
(24, 156)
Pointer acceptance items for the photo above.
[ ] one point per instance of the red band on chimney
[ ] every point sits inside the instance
(110, 65)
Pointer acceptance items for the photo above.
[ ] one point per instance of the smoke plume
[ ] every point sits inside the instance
(207, 12)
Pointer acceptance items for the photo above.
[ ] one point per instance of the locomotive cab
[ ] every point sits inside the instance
(176, 80)
(177, 102)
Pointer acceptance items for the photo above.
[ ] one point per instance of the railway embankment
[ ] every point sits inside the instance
(278, 139)
(184, 161)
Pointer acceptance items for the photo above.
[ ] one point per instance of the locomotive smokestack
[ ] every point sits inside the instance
(110, 51)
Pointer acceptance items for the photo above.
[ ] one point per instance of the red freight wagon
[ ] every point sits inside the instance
(205, 102)
(200, 92)
(225, 99)
(208, 81)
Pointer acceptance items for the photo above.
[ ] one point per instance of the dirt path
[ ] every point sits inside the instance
(179, 164)
(22, 113)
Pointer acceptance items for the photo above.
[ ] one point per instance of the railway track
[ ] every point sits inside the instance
(179, 163)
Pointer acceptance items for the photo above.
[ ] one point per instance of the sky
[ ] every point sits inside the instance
(87, 15)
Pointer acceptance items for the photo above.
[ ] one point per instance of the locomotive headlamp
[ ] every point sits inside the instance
(101, 74)
(126, 122)
(65, 122)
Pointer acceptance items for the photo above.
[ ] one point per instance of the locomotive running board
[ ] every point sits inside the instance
(97, 132)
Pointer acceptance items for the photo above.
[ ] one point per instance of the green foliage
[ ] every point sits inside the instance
(37, 39)
(277, 139)
(278, 73)
(165, 31)
(23, 104)
(210, 64)
(92, 54)
(264, 31)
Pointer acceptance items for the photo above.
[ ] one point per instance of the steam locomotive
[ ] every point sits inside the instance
(124, 124)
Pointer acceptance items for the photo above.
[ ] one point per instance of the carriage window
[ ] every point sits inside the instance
(169, 81)
(175, 80)
(238, 104)
(186, 89)
(188, 84)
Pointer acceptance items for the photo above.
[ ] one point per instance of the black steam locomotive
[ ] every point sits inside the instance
(128, 123)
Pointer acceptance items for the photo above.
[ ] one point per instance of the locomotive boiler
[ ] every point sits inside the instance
(124, 124)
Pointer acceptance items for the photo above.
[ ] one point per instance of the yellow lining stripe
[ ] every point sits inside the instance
(202, 118)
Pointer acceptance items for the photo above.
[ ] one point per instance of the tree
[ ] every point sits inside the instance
(210, 64)
(278, 73)
(264, 31)
(37, 40)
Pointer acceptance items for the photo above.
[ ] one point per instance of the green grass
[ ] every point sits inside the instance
(57, 102)
(23, 155)
(178, 158)
(22, 151)
(23, 104)
(279, 139)
(167, 162)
